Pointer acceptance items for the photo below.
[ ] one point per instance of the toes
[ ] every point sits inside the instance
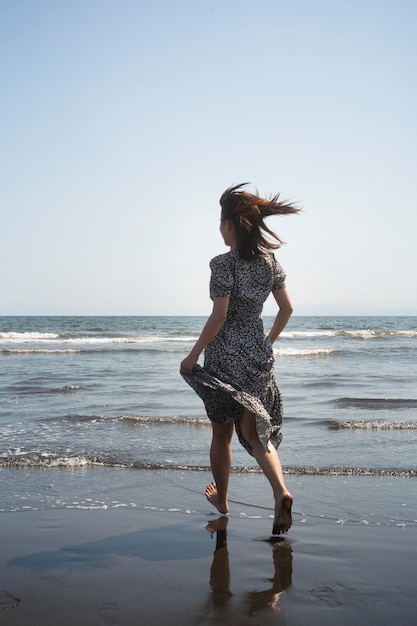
(211, 490)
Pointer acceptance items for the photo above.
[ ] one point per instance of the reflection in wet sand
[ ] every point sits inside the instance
(220, 569)
(269, 599)
(220, 594)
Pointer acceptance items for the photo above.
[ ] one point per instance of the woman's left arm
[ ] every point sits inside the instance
(210, 330)
(283, 301)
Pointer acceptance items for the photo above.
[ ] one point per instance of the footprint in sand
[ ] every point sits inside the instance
(108, 611)
(7, 601)
(325, 594)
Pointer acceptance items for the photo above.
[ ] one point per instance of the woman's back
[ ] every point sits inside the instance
(246, 283)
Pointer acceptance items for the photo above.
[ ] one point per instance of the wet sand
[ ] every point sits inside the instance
(159, 566)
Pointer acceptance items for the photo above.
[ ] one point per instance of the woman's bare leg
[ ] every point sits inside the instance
(270, 464)
(221, 463)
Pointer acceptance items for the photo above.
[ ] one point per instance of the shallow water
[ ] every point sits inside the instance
(81, 392)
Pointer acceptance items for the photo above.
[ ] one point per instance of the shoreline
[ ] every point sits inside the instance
(174, 565)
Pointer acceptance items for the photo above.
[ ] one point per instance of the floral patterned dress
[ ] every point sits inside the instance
(239, 363)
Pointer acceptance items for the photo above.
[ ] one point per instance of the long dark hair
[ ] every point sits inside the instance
(247, 212)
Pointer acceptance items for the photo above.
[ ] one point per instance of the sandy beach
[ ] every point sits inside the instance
(165, 564)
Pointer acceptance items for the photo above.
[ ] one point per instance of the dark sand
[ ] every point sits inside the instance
(148, 566)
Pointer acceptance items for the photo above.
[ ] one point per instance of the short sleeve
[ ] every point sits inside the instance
(222, 280)
(279, 276)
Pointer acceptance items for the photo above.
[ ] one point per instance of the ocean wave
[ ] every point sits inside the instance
(364, 334)
(136, 419)
(129, 340)
(45, 461)
(67, 389)
(377, 403)
(11, 352)
(307, 334)
(187, 421)
(23, 388)
(43, 338)
(82, 461)
(27, 336)
(128, 419)
(372, 425)
(350, 471)
(83, 351)
(294, 352)
(187, 336)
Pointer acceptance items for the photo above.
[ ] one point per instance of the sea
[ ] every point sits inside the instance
(92, 407)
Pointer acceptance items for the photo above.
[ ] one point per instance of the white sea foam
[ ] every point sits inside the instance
(121, 340)
(26, 337)
(360, 334)
(373, 425)
(16, 338)
(289, 352)
(35, 337)
(307, 334)
(364, 333)
(38, 351)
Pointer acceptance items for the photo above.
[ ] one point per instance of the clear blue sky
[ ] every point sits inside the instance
(123, 121)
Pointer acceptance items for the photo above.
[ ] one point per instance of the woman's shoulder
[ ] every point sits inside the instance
(268, 261)
(232, 256)
(224, 259)
(228, 259)
(272, 260)
(278, 273)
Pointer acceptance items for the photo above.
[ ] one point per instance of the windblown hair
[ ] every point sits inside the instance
(247, 212)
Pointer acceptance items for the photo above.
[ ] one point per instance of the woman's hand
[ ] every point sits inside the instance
(188, 364)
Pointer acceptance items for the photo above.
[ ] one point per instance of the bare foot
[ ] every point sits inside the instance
(283, 517)
(213, 497)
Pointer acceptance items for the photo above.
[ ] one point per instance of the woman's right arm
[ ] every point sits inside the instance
(210, 330)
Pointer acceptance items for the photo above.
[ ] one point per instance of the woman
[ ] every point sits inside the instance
(237, 383)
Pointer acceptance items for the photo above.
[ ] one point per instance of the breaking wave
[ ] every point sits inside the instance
(377, 403)
(372, 425)
(137, 419)
(83, 461)
(364, 334)
(288, 352)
